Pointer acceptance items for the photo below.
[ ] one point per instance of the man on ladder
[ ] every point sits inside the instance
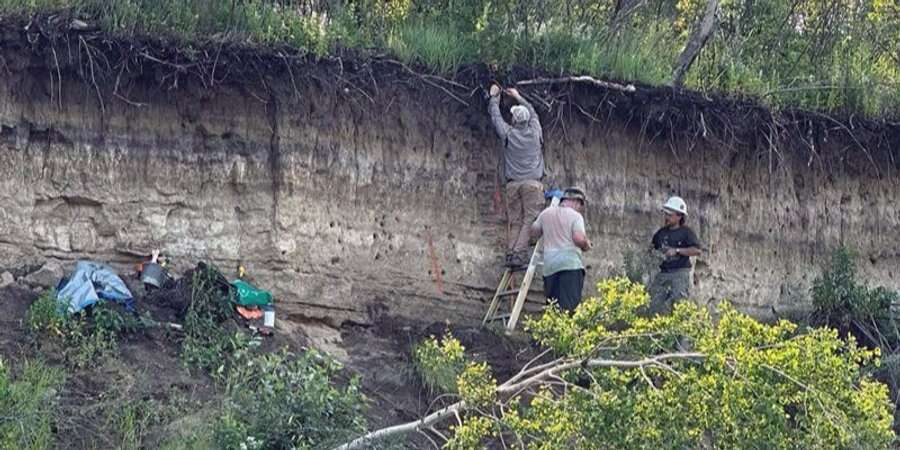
(561, 228)
(523, 169)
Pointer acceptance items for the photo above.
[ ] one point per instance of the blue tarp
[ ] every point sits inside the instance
(91, 283)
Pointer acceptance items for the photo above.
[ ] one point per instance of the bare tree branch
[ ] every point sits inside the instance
(578, 79)
(425, 422)
(512, 387)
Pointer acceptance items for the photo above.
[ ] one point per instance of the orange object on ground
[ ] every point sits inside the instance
(250, 313)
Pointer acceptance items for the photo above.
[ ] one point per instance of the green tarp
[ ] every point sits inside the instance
(249, 295)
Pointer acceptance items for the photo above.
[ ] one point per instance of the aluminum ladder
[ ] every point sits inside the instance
(504, 289)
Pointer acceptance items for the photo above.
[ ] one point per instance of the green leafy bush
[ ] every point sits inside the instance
(842, 301)
(677, 381)
(207, 343)
(45, 314)
(85, 337)
(282, 400)
(86, 345)
(439, 363)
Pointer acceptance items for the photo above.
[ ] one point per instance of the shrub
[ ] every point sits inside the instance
(853, 308)
(439, 363)
(85, 337)
(841, 301)
(45, 314)
(206, 340)
(282, 400)
(86, 345)
(674, 382)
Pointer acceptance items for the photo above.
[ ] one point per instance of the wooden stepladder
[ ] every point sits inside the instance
(505, 288)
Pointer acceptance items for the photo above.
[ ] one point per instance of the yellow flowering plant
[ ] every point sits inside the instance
(614, 377)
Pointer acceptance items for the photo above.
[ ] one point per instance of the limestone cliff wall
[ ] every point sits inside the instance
(352, 202)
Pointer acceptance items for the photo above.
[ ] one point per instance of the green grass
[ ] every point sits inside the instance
(438, 47)
(85, 340)
(28, 402)
(855, 73)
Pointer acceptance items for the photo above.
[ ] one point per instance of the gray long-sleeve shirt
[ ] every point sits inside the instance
(523, 159)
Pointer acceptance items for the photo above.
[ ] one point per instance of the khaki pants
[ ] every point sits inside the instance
(524, 201)
(667, 288)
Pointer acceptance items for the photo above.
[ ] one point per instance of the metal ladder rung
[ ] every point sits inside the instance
(524, 268)
(514, 292)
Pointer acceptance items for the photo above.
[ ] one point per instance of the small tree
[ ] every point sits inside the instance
(680, 381)
(843, 302)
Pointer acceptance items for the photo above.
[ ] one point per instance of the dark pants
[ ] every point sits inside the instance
(667, 288)
(565, 287)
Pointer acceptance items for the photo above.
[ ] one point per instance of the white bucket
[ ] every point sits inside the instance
(269, 318)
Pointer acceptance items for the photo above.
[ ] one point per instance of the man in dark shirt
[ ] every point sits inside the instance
(678, 243)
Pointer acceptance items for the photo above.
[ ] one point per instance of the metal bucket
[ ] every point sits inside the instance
(153, 274)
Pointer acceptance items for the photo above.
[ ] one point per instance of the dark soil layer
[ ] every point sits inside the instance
(382, 353)
(113, 65)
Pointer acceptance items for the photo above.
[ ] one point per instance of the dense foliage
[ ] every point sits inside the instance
(679, 381)
(439, 362)
(83, 337)
(844, 302)
(272, 400)
(821, 54)
(286, 401)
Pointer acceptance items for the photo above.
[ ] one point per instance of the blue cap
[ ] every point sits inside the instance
(553, 193)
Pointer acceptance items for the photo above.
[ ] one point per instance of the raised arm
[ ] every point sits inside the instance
(496, 118)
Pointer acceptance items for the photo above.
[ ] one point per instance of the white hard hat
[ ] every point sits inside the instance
(676, 204)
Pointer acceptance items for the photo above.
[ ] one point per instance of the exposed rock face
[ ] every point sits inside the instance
(350, 206)
(46, 277)
(6, 279)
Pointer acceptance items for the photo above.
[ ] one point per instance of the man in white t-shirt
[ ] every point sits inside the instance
(562, 228)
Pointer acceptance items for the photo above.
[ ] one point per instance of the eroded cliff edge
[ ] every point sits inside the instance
(356, 187)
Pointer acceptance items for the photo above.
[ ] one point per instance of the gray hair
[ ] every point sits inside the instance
(520, 114)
